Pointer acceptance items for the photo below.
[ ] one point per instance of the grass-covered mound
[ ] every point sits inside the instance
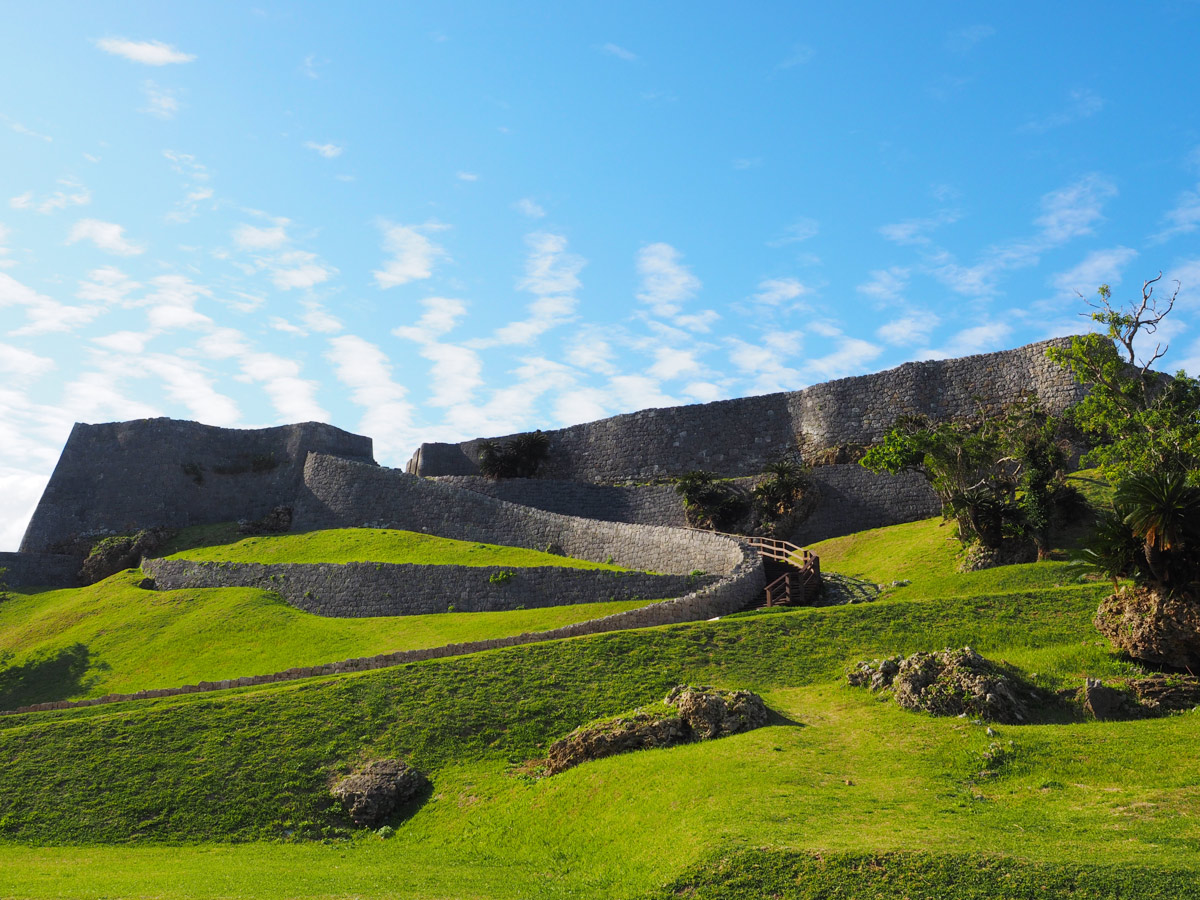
(220, 543)
(841, 789)
(116, 637)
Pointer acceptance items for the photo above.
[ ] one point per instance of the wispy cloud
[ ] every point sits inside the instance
(250, 237)
(22, 129)
(73, 194)
(666, 283)
(747, 162)
(552, 276)
(976, 339)
(908, 330)
(916, 231)
(467, 176)
(774, 291)
(529, 207)
(886, 284)
(964, 40)
(800, 55)
(161, 102)
(1184, 218)
(366, 370)
(619, 52)
(108, 236)
(800, 230)
(1098, 267)
(150, 53)
(329, 151)
(412, 254)
(1081, 104)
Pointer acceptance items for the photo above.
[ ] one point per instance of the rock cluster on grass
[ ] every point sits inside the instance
(1138, 698)
(125, 551)
(951, 683)
(688, 713)
(371, 794)
(1153, 628)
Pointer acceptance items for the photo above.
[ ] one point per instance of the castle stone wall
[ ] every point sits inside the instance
(647, 504)
(371, 589)
(48, 570)
(344, 493)
(738, 437)
(124, 476)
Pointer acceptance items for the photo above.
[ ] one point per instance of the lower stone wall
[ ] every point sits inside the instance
(48, 570)
(649, 504)
(381, 589)
(343, 493)
(739, 588)
(853, 499)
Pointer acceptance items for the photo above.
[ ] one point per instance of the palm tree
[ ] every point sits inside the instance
(1163, 511)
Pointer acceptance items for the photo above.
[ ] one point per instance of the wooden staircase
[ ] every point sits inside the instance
(793, 573)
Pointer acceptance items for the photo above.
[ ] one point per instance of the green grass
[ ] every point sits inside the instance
(115, 637)
(844, 795)
(345, 545)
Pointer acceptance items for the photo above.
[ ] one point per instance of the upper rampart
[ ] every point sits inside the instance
(738, 437)
(124, 476)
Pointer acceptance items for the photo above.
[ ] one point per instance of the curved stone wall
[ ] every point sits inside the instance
(644, 504)
(344, 493)
(383, 589)
(124, 476)
(738, 437)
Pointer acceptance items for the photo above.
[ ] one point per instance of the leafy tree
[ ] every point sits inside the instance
(999, 476)
(779, 492)
(1137, 420)
(711, 502)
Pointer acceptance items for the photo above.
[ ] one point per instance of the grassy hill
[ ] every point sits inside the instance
(842, 796)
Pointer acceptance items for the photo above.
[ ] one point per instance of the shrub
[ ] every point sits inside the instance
(519, 458)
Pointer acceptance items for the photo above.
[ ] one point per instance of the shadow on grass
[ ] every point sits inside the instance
(48, 676)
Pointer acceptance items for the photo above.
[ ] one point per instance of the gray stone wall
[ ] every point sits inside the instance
(371, 589)
(48, 570)
(852, 499)
(849, 499)
(344, 493)
(646, 504)
(123, 476)
(737, 437)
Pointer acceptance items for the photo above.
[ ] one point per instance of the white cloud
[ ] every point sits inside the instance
(1072, 211)
(5, 235)
(916, 231)
(528, 207)
(673, 362)
(43, 314)
(1184, 218)
(773, 291)
(552, 276)
(186, 209)
(800, 230)
(188, 383)
(412, 254)
(886, 284)
(747, 162)
(853, 356)
(20, 366)
(161, 102)
(298, 269)
(129, 342)
(1082, 104)
(765, 362)
(293, 397)
(666, 282)
(1098, 267)
(75, 194)
(908, 330)
(249, 237)
(977, 339)
(467, 176)
(329, 151)
(150, 53)
(172, 303)
(619, 52)
(28, 132)
(366, 370)
(108, 236)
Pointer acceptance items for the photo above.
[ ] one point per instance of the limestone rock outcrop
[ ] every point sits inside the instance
(688, 713)
(952, 683)
(1161, 630)
(371, 794)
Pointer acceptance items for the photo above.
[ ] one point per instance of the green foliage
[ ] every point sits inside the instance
(779, 493)
(999, 475)
(1136, 419)
(502, 576)
(710, 501)
(519, 458)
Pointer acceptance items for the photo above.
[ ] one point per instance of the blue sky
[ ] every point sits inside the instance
(438, 221)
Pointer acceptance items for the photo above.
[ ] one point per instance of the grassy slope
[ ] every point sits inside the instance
(838, 771)
(343, 545)
(114, 637)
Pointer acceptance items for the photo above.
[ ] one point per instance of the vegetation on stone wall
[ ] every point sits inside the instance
(772, 505)
(518, 458)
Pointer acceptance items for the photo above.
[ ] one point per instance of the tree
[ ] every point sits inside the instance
(1136, 419)
(519, 458)
(999, 476)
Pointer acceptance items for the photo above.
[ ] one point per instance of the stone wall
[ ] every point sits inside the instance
(381, 589)
(344, 493)
(738, 437)
(123, 476)
(849, 499)
(740, 587)
(30, 570)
